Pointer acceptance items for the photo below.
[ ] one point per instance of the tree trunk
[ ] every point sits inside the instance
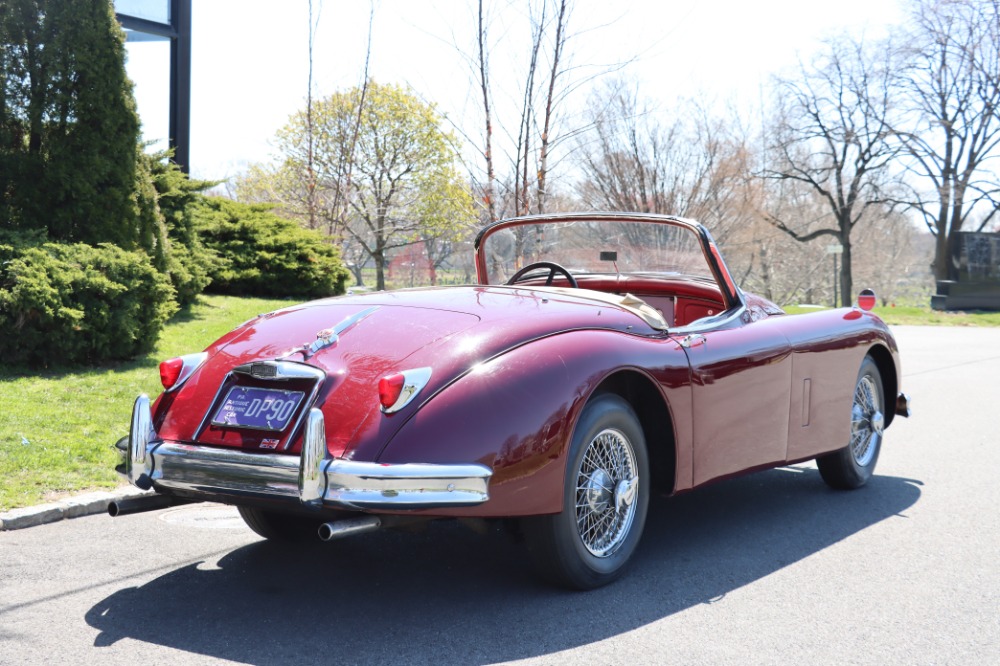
(846, 286)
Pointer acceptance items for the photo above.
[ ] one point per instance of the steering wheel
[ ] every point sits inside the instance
(553, 269)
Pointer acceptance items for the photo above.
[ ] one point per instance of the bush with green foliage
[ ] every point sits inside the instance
(189, 263)
(265, 255)
(65, 304)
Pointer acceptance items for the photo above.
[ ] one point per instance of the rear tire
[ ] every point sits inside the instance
(605, 499)
(853, 465)
(276, 526)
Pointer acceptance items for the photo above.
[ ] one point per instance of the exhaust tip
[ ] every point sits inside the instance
(339, 529)
(124, 506)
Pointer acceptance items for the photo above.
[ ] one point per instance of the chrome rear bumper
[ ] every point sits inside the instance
(311, 479)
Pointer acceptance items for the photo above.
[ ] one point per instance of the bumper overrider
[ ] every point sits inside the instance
(313, 479)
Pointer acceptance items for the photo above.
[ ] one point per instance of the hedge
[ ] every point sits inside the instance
(262, 254)
(65, 304)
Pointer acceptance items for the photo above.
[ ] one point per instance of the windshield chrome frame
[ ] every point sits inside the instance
(727, 287)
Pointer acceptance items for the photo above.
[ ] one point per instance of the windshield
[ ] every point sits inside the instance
(595, 247)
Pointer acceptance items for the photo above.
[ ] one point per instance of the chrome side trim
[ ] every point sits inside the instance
(313, 478)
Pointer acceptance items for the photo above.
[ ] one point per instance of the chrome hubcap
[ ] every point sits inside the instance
(867, 421)
(598, 491)
(606, 487)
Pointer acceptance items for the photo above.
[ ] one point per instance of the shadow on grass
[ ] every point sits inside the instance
(59, 371)
(146, 361)
(449, 596)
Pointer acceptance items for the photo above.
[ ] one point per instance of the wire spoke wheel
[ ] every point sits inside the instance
(853, 465)
(605, 500)
(605, 491)
(867, 421)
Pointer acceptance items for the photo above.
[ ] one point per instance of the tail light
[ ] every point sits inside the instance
(175, 371)
(866, 299)
(395, 391)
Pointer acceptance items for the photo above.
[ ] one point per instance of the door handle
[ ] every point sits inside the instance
(693, 340)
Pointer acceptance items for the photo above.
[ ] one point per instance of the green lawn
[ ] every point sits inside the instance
(921, 316)
(57, 428)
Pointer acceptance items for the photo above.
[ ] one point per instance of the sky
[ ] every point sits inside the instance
(250, 57)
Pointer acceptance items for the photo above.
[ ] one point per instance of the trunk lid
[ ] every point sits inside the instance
(447, 329)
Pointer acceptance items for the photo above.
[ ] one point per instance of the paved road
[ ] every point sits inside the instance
(771, 568)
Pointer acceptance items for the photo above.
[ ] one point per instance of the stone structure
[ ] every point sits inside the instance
(975, 274)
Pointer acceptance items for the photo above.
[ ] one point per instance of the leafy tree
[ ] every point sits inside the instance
(383, 170)
(68, 127)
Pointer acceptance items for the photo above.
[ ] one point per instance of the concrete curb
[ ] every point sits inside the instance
(87, 504)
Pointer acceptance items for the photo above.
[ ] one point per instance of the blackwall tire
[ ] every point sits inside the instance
(852, 466)
(605, 499)
(275, 526)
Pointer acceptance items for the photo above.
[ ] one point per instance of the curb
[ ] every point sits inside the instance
(87, 504)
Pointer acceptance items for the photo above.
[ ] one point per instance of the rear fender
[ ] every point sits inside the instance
(515, 413)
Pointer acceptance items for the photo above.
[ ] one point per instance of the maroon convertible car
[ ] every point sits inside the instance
(600, 358)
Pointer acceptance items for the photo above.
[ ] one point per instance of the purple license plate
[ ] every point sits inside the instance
(258, 408)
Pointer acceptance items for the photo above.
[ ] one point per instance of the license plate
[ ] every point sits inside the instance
(257, 408)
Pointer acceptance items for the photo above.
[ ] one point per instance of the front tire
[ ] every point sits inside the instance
(605, 500)
(853, 465)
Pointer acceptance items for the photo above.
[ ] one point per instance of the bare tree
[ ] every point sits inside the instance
(310, 165)
(555, 71)
(484, 85)
(694, 165)
(888, 257)
(517, 146)
(952, 119)
(833, 136)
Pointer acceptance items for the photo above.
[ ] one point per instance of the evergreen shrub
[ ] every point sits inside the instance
(261, 254)
(67, 304)
(189, 262)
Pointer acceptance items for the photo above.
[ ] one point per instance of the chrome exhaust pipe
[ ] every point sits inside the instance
(142, 503)
(338, 529)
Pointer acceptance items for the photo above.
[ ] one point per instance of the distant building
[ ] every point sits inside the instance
(158, 38)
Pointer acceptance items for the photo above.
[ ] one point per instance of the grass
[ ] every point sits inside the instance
(921, 316)
(57, 428)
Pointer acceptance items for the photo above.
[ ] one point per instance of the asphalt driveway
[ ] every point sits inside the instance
(770, 568)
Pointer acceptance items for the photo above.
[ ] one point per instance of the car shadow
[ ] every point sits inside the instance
(449, 595)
